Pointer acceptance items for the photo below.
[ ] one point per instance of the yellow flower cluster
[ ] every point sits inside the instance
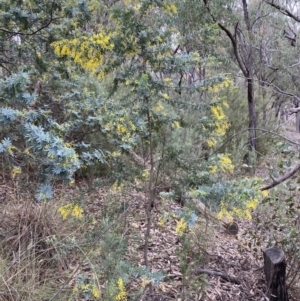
(211, 142)
(213, 169)
(87, 288)
(225, 104)
(221, 124)
(158, 108)
(226, 164)
(170, 8)
(116, 187)
(70, 209)
(244, 212)
(217, 112)
(15, 171)
(167, 80)
(161, 221)
(86, 51)
(181, 227)
(121, 296)
(215, 88)
(116, 154)
(252, 204)
(145, 282)
(165, 96)
(95, 292)
(226, 82)
(221, 128)
(175, 125)
(224, 213)
(239, 212)
(121, 128)
(124, 128)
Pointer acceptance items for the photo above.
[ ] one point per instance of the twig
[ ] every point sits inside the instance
(216, 273)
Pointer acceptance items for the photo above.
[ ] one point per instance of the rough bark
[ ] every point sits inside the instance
(275, 266)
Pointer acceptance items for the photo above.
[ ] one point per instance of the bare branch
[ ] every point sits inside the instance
(232, 38)
(279, 90)
(283, 10)
(286, 176)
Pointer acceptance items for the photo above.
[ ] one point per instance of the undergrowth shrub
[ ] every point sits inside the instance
(192, 254)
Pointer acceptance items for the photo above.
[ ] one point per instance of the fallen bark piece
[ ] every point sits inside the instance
(215, 273)
(275, 266)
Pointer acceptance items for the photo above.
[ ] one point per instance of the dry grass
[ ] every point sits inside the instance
(30, 263)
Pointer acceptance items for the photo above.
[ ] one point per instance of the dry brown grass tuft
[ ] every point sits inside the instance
(27, 225)
(30, 262)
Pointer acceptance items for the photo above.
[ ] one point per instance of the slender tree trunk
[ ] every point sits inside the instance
(252, 114)
(249, 64)
(150, 197)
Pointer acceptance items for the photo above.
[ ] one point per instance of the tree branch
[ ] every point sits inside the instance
(283, 10)
(286, 176)
(232, 38)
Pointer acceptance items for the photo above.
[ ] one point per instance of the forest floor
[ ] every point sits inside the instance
(232, 270)
(232, 265)
(215, 265)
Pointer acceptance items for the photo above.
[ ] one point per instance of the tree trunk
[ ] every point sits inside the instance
(275, 265)
(252, 115)
(249, 68)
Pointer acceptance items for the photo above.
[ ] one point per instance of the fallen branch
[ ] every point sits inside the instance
(215, 273)
(276, 182)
